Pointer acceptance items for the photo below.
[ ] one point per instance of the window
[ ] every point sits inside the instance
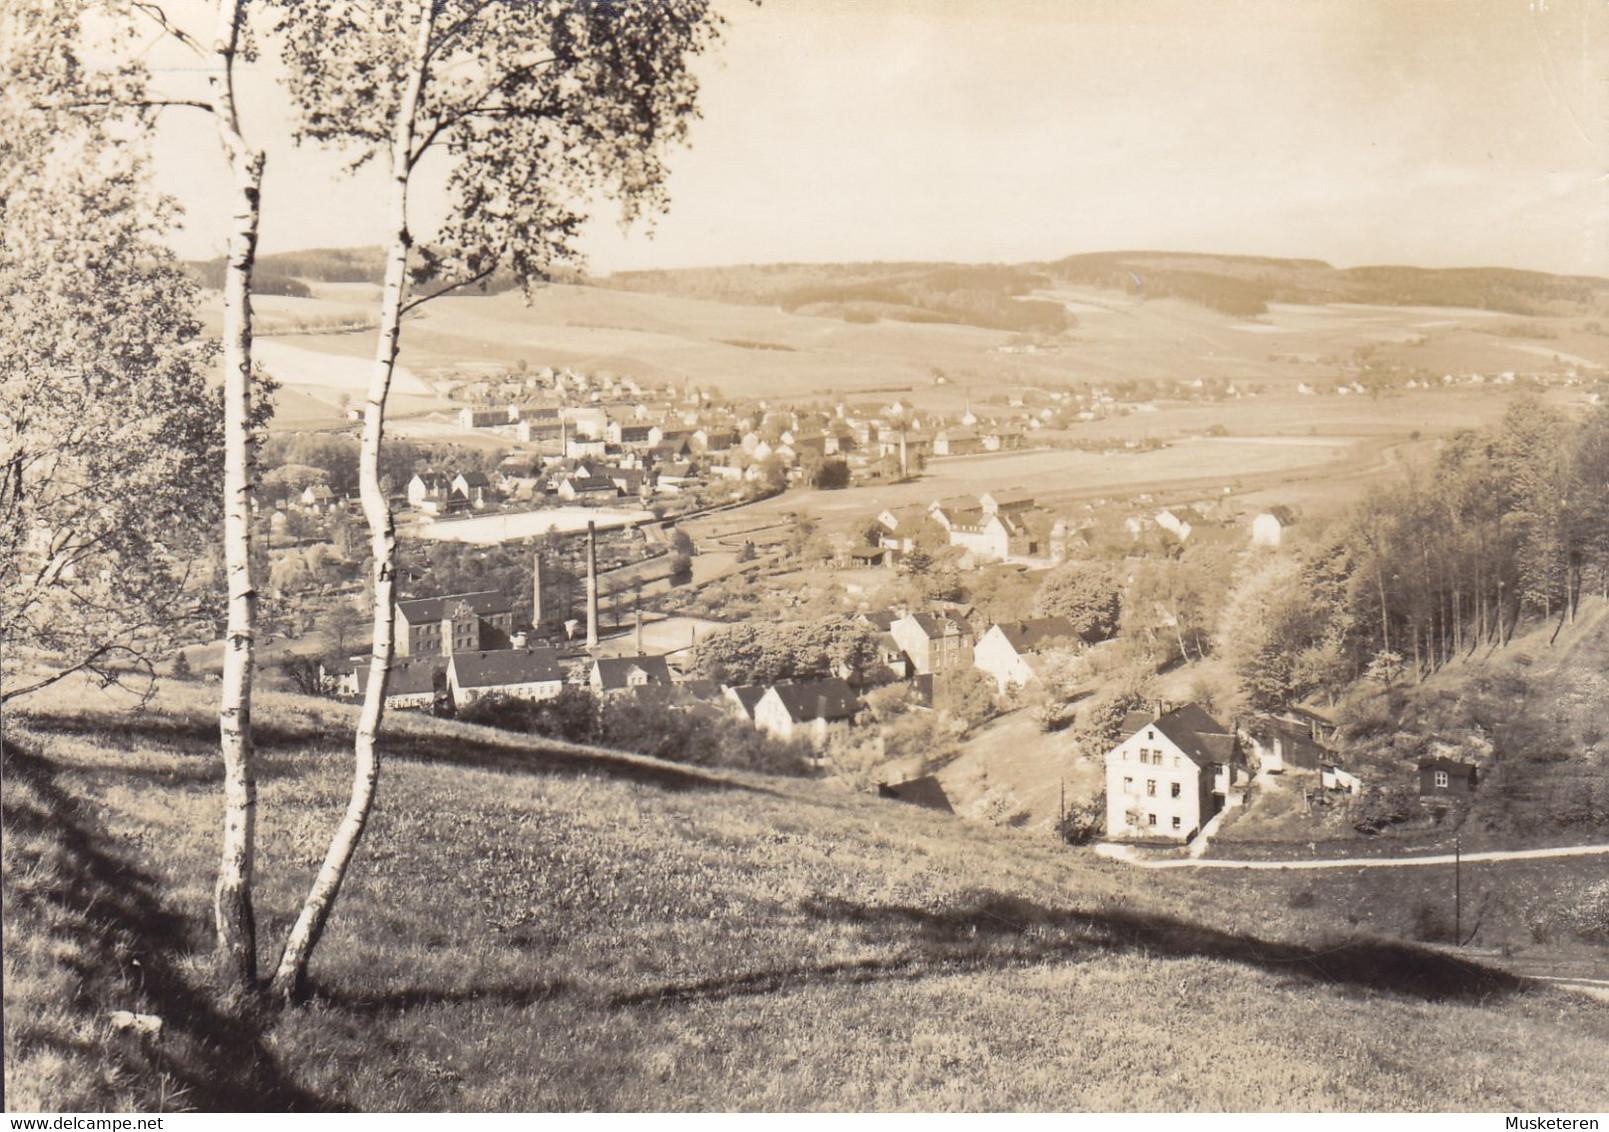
(1150, 734)
(1150, 787)
(1441, 780)
(1128, 786)
(1175, 823)
(1175, 760)
(1175, 792)
(1150, 819)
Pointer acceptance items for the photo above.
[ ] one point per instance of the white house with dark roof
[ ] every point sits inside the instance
(412, 684)
(1007, 651)
(526, 674)
(1169, 775)
(815, 709)
(613, 673)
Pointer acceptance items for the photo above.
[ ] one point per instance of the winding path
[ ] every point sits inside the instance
(1128, 856)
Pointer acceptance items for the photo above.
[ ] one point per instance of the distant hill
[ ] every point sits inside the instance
(998, 296)
(1245, 285)
(288, 273)
(986, 295)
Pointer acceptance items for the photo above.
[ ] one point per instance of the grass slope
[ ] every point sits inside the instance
(541, 927)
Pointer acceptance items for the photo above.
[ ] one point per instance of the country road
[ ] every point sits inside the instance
(1126, 855)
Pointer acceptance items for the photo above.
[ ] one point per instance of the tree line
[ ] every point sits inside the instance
(1509, 523)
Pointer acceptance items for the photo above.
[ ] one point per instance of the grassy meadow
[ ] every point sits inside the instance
(535, 926)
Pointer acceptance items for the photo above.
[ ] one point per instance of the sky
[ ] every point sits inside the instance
(1429, 132)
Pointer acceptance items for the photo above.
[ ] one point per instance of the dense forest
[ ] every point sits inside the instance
(1511, 522)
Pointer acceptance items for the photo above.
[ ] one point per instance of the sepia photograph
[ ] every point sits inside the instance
(776, 556)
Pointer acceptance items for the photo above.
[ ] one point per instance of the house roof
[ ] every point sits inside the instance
(474, 479)
(496, 667)
(1133, 721)
(880, 619)
(407, 678)
(1016, 497)
(615, 671)
(421, 609)
(747, 695)
(828, 699)
(1197, 734)
(933, 626)
(924, 791)
(1030, 635)
(589, 483)
(1444, 763)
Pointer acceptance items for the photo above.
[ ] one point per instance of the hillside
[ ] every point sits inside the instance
(1236, 285)
(540, 927)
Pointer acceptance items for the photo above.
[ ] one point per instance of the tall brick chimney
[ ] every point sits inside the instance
(592, 584)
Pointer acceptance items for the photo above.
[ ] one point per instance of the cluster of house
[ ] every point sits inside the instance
(1173, 770)
(911, 645)
(465, 647)
(992, 527)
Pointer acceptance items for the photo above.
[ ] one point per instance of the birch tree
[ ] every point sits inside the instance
(125, 91)
(530, 111)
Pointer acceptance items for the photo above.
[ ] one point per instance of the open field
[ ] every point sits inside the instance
(1203, 466)
(530, 926)
(488, 530)
(760, 351)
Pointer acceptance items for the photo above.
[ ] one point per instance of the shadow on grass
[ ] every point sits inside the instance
(399, 1002)
(515, 753)
(995, 932)
(107, 909)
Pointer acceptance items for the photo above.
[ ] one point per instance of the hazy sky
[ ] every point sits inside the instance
(1434, 132)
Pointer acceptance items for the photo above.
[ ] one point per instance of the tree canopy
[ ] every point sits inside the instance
(112, 442)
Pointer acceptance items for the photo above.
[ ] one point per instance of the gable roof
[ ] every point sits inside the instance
(933, 626)
(408, 678)
(615, 671)
(1016, 497)
(747, 695)
(1028, 636)
(1133, 721)
(1197, 734)
(828, 699)
(879, 619)
(421, 609)
(496, 667)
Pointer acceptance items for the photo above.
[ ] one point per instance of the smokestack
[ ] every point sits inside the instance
(592, 584)
(904, 467)
(536, 590)
(639, 625)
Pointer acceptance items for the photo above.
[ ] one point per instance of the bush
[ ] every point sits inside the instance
(1086, 823)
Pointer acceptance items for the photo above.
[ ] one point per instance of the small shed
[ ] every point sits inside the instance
(1443, 777)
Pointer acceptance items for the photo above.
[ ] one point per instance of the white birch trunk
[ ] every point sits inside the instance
(290, 978)
(232, 904)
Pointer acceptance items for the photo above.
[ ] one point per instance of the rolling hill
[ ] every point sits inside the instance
(534, 926)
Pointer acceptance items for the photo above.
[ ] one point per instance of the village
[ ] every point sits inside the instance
(586, 497)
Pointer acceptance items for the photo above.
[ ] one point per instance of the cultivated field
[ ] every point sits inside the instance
(488, 530)
(530, 926)
(757, 351)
